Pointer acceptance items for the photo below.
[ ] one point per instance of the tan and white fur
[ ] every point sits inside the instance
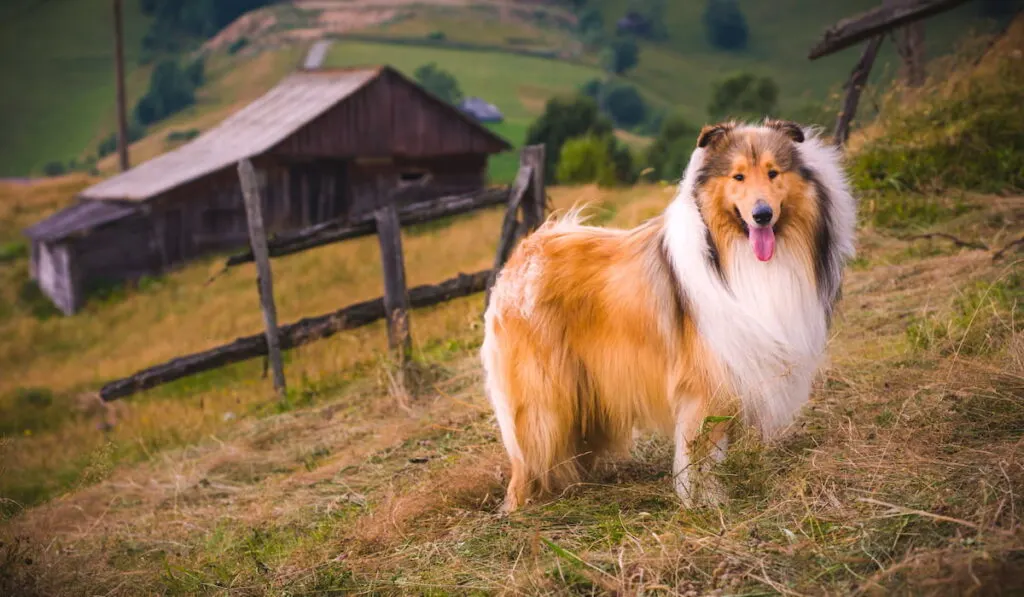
(722, 302)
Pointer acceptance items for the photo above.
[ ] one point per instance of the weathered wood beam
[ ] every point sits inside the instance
(415, 213)
(853, 30)
(854, 87)
(296, 334)
(396, 301)
(510, 226)
(264, 278)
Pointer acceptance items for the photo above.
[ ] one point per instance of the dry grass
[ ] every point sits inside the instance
(904, 475)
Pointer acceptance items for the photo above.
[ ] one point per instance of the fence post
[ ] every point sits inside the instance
(258, 242)
(527, 190)
(535, 201)
(396, 297)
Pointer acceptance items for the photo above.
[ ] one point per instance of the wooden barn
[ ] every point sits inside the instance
(327, 145)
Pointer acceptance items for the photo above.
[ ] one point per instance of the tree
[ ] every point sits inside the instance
(725, 25)
(586, 159)
(439, 82)
(563, 119)
(170, 91)
(671, 150)
(620, 101)
(743, 96)
(621, 55)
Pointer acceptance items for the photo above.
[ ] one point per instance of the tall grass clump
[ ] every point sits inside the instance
(963, 130)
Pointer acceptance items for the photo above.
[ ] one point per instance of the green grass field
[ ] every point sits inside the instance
(58, 73)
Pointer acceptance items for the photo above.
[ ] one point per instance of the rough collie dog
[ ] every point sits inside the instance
(721, 303)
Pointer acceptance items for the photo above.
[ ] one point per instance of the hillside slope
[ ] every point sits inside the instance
(905, 467)
(63, 102)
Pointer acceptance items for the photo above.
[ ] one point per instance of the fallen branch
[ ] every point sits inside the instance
(336, 231)
(292, 335)
(956, 241)
(999, 254)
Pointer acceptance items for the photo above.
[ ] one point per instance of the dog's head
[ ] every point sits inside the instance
(750, 182)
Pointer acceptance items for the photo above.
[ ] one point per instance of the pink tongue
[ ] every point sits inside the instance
(762, 240)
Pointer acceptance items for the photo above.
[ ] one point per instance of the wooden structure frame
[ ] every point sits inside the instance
(872, 26)
(526, 196)
(327, 146)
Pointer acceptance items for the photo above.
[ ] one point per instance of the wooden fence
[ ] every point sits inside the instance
(526, 205)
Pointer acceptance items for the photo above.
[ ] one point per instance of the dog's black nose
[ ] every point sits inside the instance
(762, 212)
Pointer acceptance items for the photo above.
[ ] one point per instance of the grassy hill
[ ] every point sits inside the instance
(62, 103)
(58, 73)
(906, 466)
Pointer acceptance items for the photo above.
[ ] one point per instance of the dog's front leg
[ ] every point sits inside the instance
(696, 451)
(687, 424)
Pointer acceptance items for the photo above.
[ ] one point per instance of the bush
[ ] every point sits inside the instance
(13, 251)
(437, 36)
(54, 168)
(621, 55)
(563, 119)
(743, 96)
(586, 160)
(439, 82)
(725, 25)
(671, 150)
(109, 144)
(622, 102)
(170, 90)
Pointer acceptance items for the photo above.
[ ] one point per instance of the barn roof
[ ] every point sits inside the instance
(81, 216)
(295, 102)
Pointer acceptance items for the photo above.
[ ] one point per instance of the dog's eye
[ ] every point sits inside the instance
(738, 177)
(772, 174)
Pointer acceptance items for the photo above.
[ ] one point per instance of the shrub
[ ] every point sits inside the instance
(438, 81)
(565, 118)
(743, 96)
(671, 150)
(725, 25)
(170, 91)
(109, 144)
(54, 168)
(13, 251)
(622, 102)
(621, 55)
(437, 36)
(586, 160)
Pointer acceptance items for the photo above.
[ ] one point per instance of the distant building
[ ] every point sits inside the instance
(326, 144)
(481, 110)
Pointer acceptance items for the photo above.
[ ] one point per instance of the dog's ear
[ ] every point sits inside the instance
(786, 127)
(712, 133)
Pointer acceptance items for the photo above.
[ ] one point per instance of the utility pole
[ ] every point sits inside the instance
(122, 118)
